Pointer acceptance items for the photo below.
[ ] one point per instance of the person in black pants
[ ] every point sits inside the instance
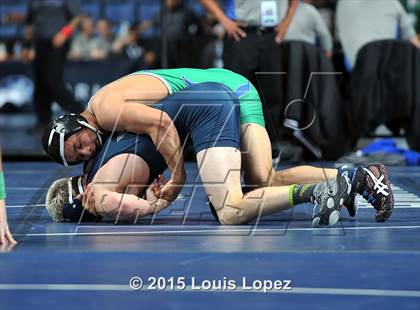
(250, 25)
(53, 23)
(254, 30)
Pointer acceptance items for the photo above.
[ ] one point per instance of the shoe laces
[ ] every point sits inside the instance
(370, 197)
(380, 187)
(320, 192)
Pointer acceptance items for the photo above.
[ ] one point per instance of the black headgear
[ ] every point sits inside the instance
(57, 132)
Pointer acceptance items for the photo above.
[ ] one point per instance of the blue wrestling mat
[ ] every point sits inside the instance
(182, 259)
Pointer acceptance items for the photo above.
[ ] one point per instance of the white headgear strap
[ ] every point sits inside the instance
(61, 131)
(70, 187)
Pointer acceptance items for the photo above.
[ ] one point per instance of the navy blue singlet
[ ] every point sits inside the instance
(207, 112)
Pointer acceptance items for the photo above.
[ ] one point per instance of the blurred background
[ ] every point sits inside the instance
(367, 83)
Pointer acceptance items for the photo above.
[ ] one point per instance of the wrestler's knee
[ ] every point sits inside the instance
(231, 213)
(230, 216)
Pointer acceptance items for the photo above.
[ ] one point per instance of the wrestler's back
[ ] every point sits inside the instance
(127, 143)
(144, 89)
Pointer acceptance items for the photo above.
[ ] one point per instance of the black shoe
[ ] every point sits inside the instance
(350, 204)
(378, 192)
(330, 199)
(350, 200)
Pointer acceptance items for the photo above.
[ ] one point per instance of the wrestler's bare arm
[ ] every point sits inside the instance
(116, 186)
(114, 112)
(126, 206)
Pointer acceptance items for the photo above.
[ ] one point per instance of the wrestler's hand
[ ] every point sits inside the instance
(88, 199)
(150, 196)
(5, 235)
(171, 189)
(157, 186)
(153, 191)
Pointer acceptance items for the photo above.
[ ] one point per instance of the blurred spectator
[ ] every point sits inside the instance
(309, 26)
(326, 8)
(28, 48)
(7, 50)
(129, 46)
(53, 24)
(213, 53)
(360, 22)
(249, 25)
(104, 39)
(3, 51)
(180, 22)
(84, 43)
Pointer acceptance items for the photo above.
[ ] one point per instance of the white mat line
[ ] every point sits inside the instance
(214, 231)
(360, 205)
(37, 172)
(19, 188)
(189, 289)
(26, 206)
(404, 206)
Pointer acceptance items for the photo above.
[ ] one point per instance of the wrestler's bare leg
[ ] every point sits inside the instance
(219, 170)
(257, 163)
(303, 175)
(256, 155)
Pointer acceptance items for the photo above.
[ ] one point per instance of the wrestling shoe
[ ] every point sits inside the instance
(330, 198)
(350, 201)
(377, 191)
(350, 204)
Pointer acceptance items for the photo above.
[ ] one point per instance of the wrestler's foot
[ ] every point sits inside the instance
(330, 199)
(350, 200)
(376, 189)
(350, 204)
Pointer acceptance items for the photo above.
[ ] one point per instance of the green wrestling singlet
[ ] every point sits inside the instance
(178, 79)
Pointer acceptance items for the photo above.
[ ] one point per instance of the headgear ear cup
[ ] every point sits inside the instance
(73, 211)
(76, 213)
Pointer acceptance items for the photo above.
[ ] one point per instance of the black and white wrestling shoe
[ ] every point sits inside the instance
(376, 189)
(330, 199)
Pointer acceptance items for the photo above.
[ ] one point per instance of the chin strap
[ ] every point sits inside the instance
(70, 187)
(94, 129)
